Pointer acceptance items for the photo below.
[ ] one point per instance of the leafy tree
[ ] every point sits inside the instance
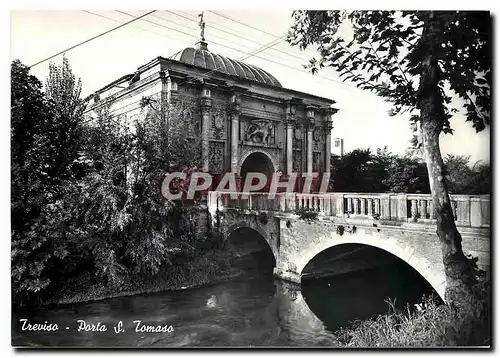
(86, 195)
(418, 61)
(64, 90)
(480, 183)
(366, 172)
(458, 173)
(464, 179)
(131, 229)
(40, 166)
(406, 175)
(351, 172)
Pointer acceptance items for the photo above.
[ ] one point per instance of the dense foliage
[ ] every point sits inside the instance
(364, 171)
(86, 193)
(43, 162)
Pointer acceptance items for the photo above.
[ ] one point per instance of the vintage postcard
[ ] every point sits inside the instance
(250, 179)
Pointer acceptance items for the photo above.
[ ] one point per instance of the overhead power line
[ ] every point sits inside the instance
(253, 55)
(221, 29)
(296, 56)
(115, 20)
(92, 38)
(191, 35)
(121, 22)
(242, 23)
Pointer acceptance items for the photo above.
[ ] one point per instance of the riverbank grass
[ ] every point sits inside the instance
(431, 324)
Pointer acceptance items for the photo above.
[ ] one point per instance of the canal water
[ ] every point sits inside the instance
(256, 310)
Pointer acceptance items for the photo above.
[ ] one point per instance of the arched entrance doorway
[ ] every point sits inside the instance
(257, 163)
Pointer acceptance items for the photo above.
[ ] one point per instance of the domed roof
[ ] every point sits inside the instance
(211, 61)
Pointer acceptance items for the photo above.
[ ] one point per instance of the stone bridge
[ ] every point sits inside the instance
(298, 227)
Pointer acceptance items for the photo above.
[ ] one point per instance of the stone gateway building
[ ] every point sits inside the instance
(246, 120)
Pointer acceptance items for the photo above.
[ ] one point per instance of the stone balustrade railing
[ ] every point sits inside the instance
(468, 210)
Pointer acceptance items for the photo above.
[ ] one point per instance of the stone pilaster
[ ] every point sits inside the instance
(234, 118)
(289, 148)
(328, 145)
(289, 125)
(309, 139)
(205, 109)
(328, 126)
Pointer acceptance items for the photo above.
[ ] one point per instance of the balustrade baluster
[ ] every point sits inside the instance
(349, 205)
(414, 209)
(432, 215)
(377, 206)
(326, 206)
(356, 205)
(370, 207)
(423, 213)
(363, 206)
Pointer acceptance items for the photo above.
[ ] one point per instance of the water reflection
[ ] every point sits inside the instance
(359, 294)
(254, 312)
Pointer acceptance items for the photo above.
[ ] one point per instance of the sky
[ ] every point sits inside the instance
(362, 120)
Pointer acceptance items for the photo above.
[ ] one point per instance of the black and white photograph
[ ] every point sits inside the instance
(250, 178)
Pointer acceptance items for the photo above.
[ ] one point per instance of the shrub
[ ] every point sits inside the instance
(307, 215)
(430, 325)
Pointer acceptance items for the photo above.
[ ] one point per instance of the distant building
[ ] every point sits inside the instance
(338, 147)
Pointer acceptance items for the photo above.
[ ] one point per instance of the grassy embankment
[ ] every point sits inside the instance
(432, 325)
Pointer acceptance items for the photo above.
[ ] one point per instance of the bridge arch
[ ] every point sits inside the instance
(434, 274)
(255, 228)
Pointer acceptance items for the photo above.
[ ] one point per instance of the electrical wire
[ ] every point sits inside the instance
(260, 57)
(92, 38)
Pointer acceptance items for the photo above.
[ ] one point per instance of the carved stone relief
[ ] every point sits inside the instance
(297, 161)
(317, 138)
(186, 111)
(316, 162)
(219, 117)
(297, 137)
(260, 132)
(216, 157)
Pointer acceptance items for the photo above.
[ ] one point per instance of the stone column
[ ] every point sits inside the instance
(289, 147)
(235, 127)
(290, 110)
(328, 126)
(328, 145)
(206, 109)
(234, 117)
(310, 128)
(309, 148)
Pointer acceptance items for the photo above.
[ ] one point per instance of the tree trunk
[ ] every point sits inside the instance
(459, 269)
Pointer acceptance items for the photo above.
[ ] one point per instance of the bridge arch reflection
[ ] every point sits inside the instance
(251, 246)
(362, 276)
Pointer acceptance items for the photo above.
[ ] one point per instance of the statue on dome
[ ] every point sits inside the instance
(202, 26)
